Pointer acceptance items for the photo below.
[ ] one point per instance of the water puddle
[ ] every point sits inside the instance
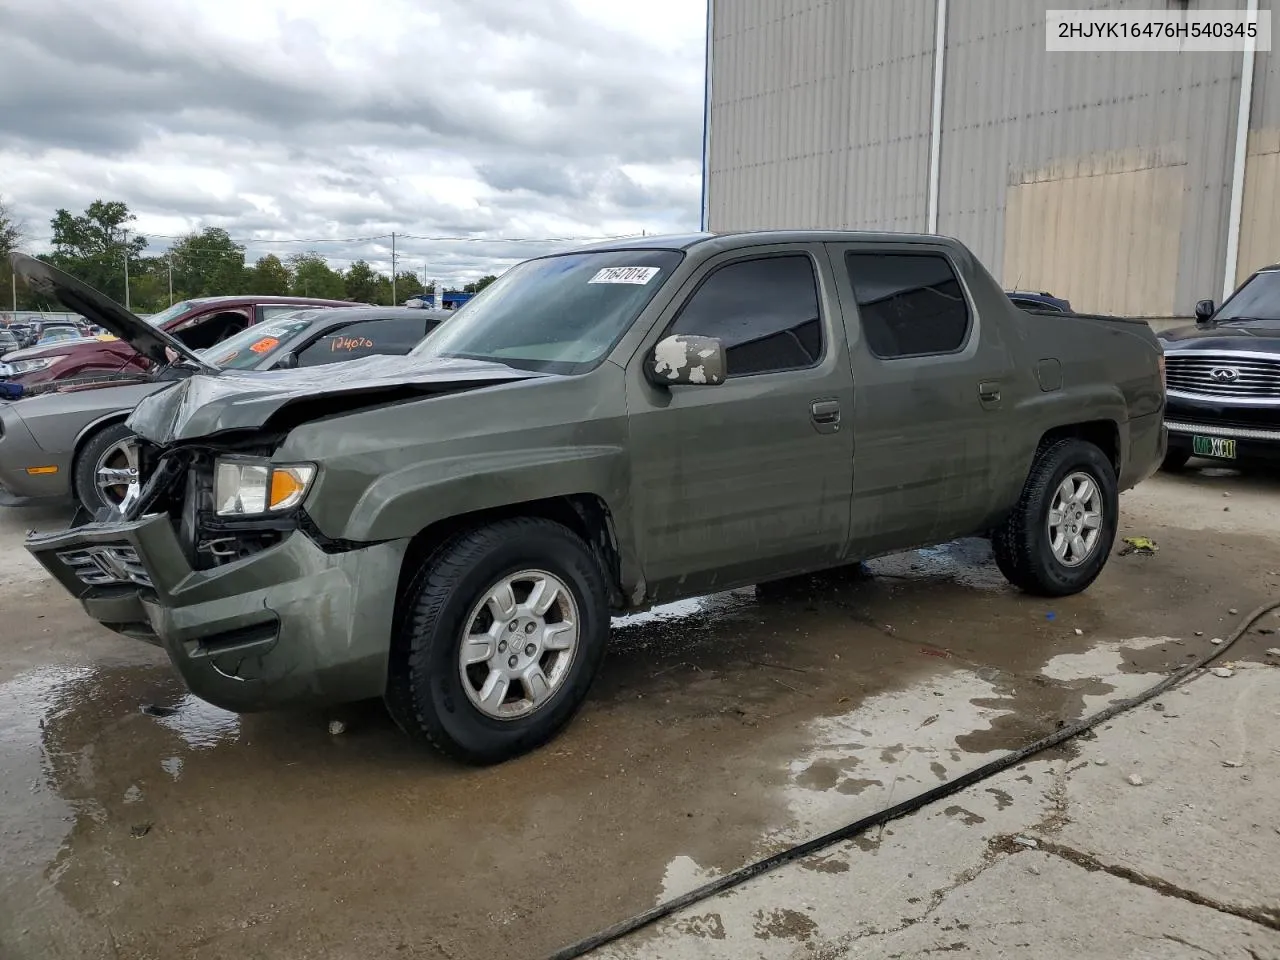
(201, 725)
(36, 818)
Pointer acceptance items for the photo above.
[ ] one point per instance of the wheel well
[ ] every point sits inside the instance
(1103, 434)
(584, 513)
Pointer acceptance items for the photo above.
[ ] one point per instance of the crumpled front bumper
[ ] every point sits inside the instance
(291, 624)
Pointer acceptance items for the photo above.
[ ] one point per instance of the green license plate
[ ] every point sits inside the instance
(1221, 448)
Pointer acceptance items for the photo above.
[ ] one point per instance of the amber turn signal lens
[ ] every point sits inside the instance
(286, 488)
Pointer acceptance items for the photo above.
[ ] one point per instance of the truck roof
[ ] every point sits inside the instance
(747, 238)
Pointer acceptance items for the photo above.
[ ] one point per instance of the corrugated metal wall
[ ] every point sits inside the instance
(1102, 177)
(1260, 219)
(803, 130)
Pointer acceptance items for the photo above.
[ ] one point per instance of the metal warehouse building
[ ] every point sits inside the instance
(1107, 178)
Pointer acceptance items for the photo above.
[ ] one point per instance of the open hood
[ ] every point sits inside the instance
(81, 298)
(204, 406)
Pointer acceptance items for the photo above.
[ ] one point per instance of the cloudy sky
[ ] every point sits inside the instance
(282, 119)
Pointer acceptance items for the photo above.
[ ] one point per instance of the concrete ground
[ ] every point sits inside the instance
(721, 730)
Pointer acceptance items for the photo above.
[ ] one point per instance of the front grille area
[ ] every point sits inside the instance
(1224, 375)
(102, 566)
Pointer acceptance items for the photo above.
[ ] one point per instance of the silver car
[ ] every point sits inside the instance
(74, 442)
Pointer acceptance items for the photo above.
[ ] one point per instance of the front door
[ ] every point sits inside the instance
(931, 385)
(751, 478)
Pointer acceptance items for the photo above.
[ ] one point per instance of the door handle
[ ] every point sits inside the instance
(989, 391)
(825, 411)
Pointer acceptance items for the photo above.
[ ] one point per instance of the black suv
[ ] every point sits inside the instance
(1223, 377)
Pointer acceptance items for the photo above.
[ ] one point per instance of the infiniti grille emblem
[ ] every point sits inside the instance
(1225, 374)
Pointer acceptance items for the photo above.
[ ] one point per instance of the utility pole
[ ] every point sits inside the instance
(14, 275)
(169, 257)
(126, 269)
(394, 301)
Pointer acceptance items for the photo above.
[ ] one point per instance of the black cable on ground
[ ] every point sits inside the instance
(898, 810)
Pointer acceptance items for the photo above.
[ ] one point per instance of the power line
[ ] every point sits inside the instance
(387, 236)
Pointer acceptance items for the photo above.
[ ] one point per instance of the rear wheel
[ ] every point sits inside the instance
(504, 630)
(106, 467)
(1058, 538)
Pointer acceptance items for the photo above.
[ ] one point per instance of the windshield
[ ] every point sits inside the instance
(256, 345)
(1259, 299)
(171, 313)
(555, 315)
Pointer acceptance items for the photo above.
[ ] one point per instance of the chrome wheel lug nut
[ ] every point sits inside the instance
(512, 662)
(530, 650)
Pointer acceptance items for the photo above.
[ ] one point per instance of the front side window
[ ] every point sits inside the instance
(910, 304)
(764, 311)
(558, 314)
(367, 338)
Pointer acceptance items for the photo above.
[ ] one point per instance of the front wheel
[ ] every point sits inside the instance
(504, 630)
(1058, 538)
(106, 468)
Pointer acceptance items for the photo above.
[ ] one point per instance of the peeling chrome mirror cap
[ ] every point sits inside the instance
(686, 360)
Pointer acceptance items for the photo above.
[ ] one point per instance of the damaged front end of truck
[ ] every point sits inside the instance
(212, 555)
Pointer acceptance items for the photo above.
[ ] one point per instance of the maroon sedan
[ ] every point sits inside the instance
(199, 323)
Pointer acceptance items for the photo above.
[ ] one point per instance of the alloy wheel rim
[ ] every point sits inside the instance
(116, 472)
(518, 644)
(1075, 519)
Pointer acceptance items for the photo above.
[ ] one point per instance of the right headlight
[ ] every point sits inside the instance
(247, 486)
(33, 365)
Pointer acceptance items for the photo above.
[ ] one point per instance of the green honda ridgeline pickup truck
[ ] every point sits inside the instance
(597, 432)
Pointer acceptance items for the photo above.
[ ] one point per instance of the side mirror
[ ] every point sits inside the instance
(1204, 310)
(686, 360)
(287, 362)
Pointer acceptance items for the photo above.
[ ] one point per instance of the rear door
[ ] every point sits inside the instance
(929, 404)
(751, 478)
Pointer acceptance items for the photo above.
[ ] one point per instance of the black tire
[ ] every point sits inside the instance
(86, 464)
(1022, 546)
(1175, 459)
(425, 693)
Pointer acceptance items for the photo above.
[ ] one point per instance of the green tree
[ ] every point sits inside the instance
(208, 263)
(268, 277)
(93, 247)
(478, 285)
(407, 285)
(149, 284)
(361, 282)
(382, 291)
(12, 233)
(313, 278)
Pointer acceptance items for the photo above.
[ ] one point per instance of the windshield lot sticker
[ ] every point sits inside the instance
(265, 344)
(640, 275)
